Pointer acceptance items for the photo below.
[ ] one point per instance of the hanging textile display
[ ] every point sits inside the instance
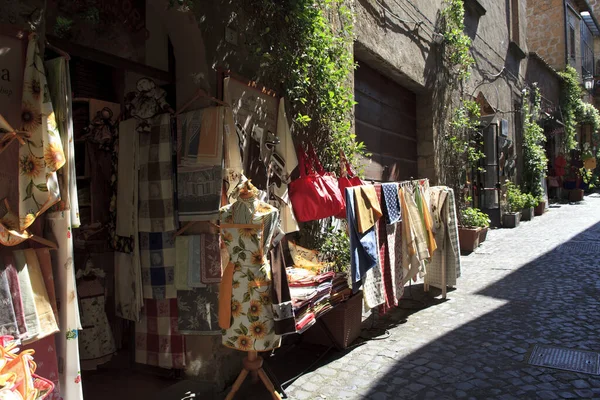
(232, 146)
(8, 319)
(245, 311)
(42, 155)
(387, 272)
(283, 310)
(199, 192)
(67, 345)
(59, 85)
(47, 363)
(16, 296)
(210, 258)
(393, 228)
(157, 260)
(156, 203)
(198, 311)
(156, 340)
(182, 260)
(200, 137)
(31, 319)
(45, 261)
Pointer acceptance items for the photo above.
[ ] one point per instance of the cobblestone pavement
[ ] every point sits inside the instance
(536, 284)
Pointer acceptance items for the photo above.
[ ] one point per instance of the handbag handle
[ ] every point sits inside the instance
(315, 160)
(345, 165)
(303, 162)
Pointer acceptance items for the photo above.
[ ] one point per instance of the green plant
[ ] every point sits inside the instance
(457, 43)
(530, 200)
(474, 217)
(514, 198)
(570, 97)
(535, 161)
(334, 247)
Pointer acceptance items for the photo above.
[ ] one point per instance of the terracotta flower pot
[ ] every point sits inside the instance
(483, 234)
(540, 208)
(527, 214)
(468, 238)
(511, 220)
(575, 195)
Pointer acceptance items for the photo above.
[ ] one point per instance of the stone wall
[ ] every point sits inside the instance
(545, 31)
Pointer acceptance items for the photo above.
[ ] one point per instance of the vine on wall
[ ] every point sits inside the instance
(457, 44)
(570, 97)
(535, 162)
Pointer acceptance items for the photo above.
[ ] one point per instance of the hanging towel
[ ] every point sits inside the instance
(43, 155)
(194, 277)
(127, 179)
(46, 360)
(364, 254)
(157, 342)
(384, 259)
(199, 192)
(182, 259)
(156, 202)
(59, 84)
(43, 307)
(210, 258)
(31, 319)
(283, 311)
(128, 286)
(427, 221)
(201, 136)
(394, 237)
(391, 203)
(8, 320)
(198, 311)
(368, 207)
(157, 259)
(45, 261)
(15, 291)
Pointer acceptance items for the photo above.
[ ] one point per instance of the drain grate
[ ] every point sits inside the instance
(586, 362)
(584, 247)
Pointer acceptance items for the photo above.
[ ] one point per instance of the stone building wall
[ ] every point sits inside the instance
(543, 33)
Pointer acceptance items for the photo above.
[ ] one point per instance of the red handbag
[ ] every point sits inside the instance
(347, 179)
(315, 195)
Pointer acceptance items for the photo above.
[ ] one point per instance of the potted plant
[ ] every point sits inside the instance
(514, 204)
(473, 219)
(529, 204)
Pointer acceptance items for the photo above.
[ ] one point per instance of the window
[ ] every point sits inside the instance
(572, 41)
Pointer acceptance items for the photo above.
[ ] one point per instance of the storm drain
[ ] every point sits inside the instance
(583, 247)
(586, 362)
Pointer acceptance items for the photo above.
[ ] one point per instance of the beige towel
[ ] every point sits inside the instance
(182, 250)
(368, 208)
(43, 306)
(127, 180)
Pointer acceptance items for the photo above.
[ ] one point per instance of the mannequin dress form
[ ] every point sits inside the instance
(245, 306)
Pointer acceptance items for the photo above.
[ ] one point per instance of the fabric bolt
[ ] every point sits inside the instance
(368, 207)
(364, 254)
(46, 360)
(194, 256)
(384, 259)
(157, 341)
(182, 259)
(96, 341)
(43, 155)
(391, 203)
(15, 292)
(59, 85)
(128, 285)
(156, 202)
(157, 260)
(45, 261)
(246, 316)
(43, 308)
(127, 180)
(210, 258)
(198, 311)
(8, 319)
(200, 136)
(283, 312)
(31, 319)
(199, 192)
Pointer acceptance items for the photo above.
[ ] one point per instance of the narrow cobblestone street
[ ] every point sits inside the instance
(536, 284)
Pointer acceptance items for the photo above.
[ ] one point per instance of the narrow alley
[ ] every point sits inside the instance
(537, 284)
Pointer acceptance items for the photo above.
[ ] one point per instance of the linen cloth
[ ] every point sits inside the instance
(384, 260)
(43, 154)
(283, 311)
(198, 311)
(128, 285)
(8, 320)
(15, 292)
(199, 192)
(157, 259)
(127, 187)
(368, 207)
(157, 341)
(31, 319)
(45, 261)
(200, 136)
(210, 258)
(364, 254)
(59, 85)
(43, 308)
(194, 256)
(156, 201)
(182, 259)
(391, 203)
(232, 149)
(46, 360)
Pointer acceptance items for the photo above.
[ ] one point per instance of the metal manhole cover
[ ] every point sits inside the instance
(567, 359)
(583, 247)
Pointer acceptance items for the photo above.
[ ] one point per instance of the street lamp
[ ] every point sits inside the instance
(588, 82)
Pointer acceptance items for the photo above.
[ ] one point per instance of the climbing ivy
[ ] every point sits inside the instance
(535, 162)
(457, 43)
(570, 97)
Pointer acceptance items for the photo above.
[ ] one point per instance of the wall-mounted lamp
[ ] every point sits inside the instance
(588, 82)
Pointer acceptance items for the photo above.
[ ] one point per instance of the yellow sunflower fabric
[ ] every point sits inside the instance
(42, 154)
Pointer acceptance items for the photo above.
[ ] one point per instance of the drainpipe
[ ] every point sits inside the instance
(566, 11)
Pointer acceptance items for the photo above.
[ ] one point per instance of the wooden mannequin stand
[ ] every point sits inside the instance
(253, 364)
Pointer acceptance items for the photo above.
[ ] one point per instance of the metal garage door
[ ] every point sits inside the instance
(386, 123)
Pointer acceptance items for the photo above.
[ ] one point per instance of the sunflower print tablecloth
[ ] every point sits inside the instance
(252, 325)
